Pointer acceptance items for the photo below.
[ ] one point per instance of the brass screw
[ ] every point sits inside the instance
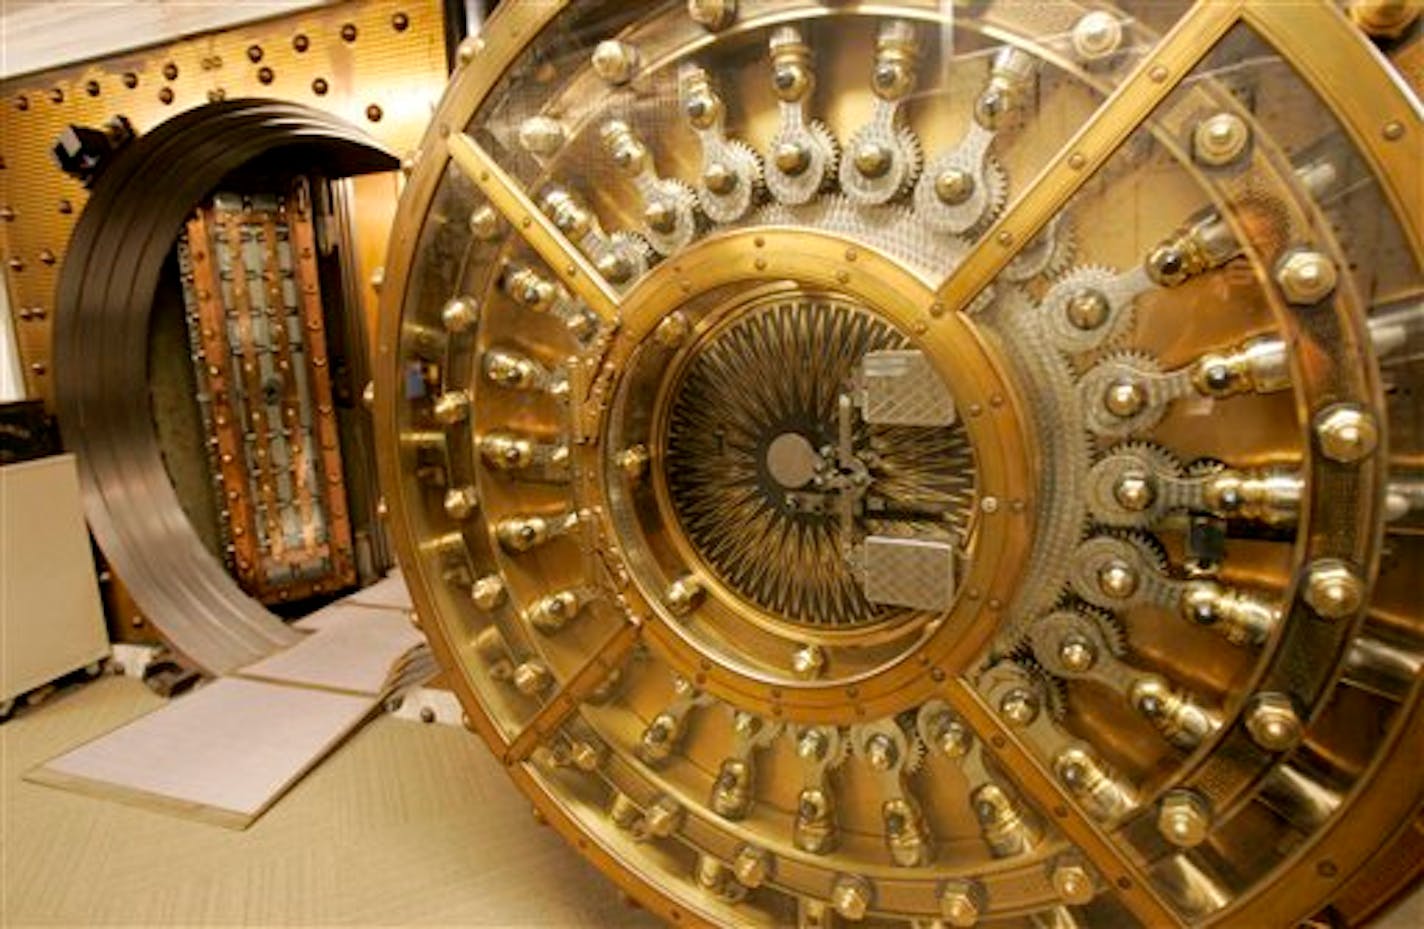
(1088, 309)
(954, 186)
(1097, 35)
(1019, 706)
(873, 160)
(719, 178)
(1221, 139)
(850, 897)
(1306, 277)
(460, 502)
(460, 314)
(484, 223)
(1117, 579)
(961, 903)
(541, 135)
(1272, 722)
(1134, 491)
(752, 866)
(808, 662)
(532, 678)
(1184, 818)
(1347, 434)
(683, 595)
(633, 462)
(712, 15)
(1125, 398)
(1333, 589)
(1071, 881)
(1077, 653)
(451, 407)
(488, 592)
(792, 158)
(615, 61)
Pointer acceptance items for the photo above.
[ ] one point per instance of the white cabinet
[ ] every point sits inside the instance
(51, 622)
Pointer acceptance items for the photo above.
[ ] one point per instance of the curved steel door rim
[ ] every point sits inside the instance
(104, 299)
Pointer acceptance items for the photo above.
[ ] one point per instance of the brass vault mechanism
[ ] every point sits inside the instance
(918, 464)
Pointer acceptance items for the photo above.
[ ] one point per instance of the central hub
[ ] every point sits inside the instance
(793, 478)
(814, 482)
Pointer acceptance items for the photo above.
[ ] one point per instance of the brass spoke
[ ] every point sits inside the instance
(1113, 122)
(563, 704)
(505, 195)
(1039, 787)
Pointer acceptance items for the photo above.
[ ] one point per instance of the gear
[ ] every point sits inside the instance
(1124, 486)
(1120, 568)
(1072, 643)
(980, 206)
(905, 158)
(1120, 395)
(1087, 308)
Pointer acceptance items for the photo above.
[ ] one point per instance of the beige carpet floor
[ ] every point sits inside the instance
(404, 824)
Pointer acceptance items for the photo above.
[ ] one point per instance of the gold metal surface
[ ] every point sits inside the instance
(1145, 251)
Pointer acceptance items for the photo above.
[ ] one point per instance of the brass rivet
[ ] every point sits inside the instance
(301, 43)
(1158, 73)
(319, 87)
(1394, 130)
(1076, 161)
(348, 32)
(1005, 237)
(373, 113)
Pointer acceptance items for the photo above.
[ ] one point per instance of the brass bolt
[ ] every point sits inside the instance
(683, 595)
(484, 223)
(460, 502)
(1088, 309)
(1272, 722)
(712, 14)
(1221, 139)
(460, 314)
(850, 897)
(1346, 433)
(615, 61)
(881, 752)
(1097, 35)
(451, 407)
(873, 160)
(1125, 398)
(808, 662)
(488, 592)
(954, 186)
(586, 756)
(752, 866)
(1071, 881)
(532, 678)
(468, 49)
(1184, 818)
(719, 179)
(663, 817)
(1117, 579)
(1077, 653)
(1019, 706)
(1134, 491)
(633, 462)
(1385, 19)
(1333, 589)
(1306, 277)
(791, 158)
(541, 135)
(961, 903)
(673, 330)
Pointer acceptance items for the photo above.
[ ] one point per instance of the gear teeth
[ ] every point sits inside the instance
(753, 159)
(1052, 689)
(1162, 458)
(1113, 630)
(1205, 467)
(832, 146)
(1147, 543)
(914, 754)
(915, 153)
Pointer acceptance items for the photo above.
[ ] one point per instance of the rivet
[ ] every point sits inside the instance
(1346, 433)
(348, 32)
(170, 71)
(320, 87)
(1393, 130)
(1158, 73)
(400, 22)
(265, 75)
(1333, 589)
(373, 113)
(1272, 722)
(165, 95)
(301, 43)
(1005, 237)
(254, 53)
(1076, 161)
